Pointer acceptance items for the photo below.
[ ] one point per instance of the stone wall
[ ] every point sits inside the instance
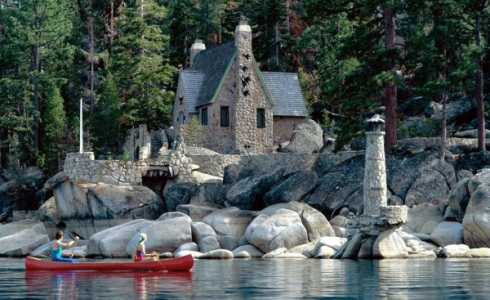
(221, 139)
(250, 96)
(81, 167)
(284, 127)
(260, 163)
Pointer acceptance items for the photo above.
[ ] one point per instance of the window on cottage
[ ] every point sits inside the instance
(181, 99)
(204, 116)
(260, 118)
(225, 116)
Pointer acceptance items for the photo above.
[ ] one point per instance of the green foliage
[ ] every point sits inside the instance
(194, 133)
(106, 120)
(140, 65)
(54, 128)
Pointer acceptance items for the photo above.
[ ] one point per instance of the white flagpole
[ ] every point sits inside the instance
(81, 125)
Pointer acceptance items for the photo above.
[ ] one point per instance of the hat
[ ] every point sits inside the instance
(143, 237)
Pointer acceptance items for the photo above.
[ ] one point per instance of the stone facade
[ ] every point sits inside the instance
(138, 143)
(242, 89)
(284, 127)
(142, 144)
(375, 189)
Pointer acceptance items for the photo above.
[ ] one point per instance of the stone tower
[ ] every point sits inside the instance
(375, 189)
(253, 112)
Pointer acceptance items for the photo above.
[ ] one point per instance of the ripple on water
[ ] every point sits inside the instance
(261, 279)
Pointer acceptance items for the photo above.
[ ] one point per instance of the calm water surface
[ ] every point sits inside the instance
(261, 279)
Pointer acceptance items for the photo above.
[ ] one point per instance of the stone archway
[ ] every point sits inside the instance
(156, 177)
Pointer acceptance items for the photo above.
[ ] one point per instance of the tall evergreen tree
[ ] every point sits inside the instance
(106, 121)
(140, 65)
(53, 128)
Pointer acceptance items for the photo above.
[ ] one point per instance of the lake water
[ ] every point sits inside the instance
(261, 279)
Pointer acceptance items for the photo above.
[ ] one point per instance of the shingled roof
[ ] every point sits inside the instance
(191, 84)
(213, 64)
(286, 94)
(201, 82)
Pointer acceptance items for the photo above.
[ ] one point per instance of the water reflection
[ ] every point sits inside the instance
(115, 285)
(262, 279)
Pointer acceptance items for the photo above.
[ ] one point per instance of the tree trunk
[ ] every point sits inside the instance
(111, 27)
(444, 125)
(276, 44)
(479, 97)
(390, 92)
(91, 33)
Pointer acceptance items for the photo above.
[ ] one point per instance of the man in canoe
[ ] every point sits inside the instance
(140, 252)
(58, 245)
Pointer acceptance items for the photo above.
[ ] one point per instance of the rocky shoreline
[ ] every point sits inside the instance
(283, 205)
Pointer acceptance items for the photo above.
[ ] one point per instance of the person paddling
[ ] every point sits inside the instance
(58, 245)
(140, 251)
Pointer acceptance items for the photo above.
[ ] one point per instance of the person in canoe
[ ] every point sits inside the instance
(140, 252)
(58, 245)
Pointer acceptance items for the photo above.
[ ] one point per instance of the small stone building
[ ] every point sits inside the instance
(142, 144)
(240, 108)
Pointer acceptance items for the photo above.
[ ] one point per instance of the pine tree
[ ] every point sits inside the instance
(140, 65)
(53, 128)
(106, 121)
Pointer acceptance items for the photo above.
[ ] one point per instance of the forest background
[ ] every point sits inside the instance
(122, 58)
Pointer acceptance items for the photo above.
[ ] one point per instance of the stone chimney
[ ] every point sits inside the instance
(197, 47)
(375, 189)
(243, 36)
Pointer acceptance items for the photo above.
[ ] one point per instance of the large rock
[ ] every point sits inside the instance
(307, 138)
(456, 251)
(247, 251)
(248, 192)
(332, 242)
(205, 236)
(230, 225)
(281, 229)
(448, 233)
(476, 221)
(105, 201)
(294, 188)
(210, 194)
(340, 187)
(433, 185)
(459, 198)
(390, 244)
(315, 222)
(179, 193)
(16, 227)
(113, 241)
(48, 212)
(19, 191)
(196, 212)
(217, 254)
(173, 215)
(23, 242)
(480, 252)
(166, 235)
(424, 218)
(483, 177)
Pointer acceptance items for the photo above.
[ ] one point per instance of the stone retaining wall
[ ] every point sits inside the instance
(82, 167)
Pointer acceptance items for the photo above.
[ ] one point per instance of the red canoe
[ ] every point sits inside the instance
(182, 264)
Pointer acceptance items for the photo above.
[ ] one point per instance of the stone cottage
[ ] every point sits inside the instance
(240, 108)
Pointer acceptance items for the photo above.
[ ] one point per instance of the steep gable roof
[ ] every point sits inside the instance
(191, 85)
(212, 63)
(286, 93)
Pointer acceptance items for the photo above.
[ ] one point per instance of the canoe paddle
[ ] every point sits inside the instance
(74, 234)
